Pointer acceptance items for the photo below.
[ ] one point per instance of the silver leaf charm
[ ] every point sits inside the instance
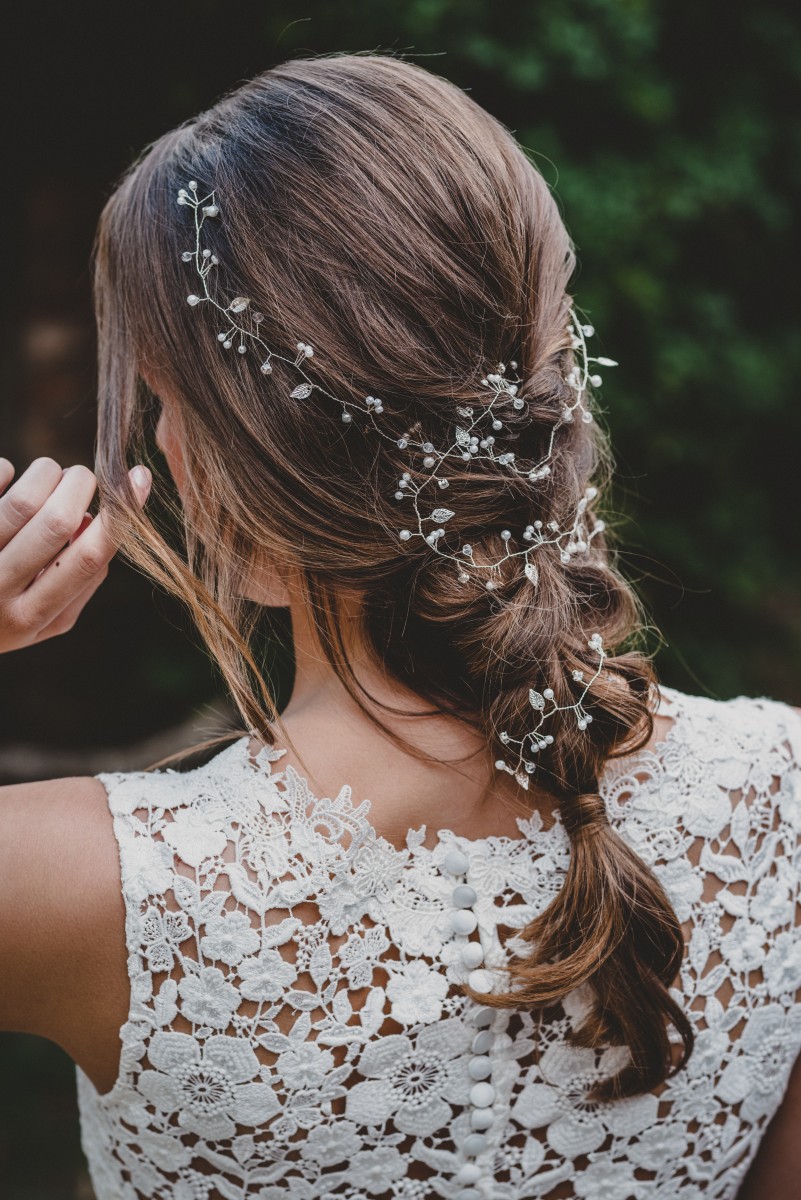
(536, 700)
(532, 572)
(464, 412)
(239, 304)
(301, 391)
(441, 514)
(462, 436)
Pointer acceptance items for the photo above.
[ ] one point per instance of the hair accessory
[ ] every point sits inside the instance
(475, 436)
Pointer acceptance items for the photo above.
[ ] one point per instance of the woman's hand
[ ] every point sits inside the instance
(53, 554)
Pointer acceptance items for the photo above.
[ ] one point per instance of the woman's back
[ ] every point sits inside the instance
(297, 1025)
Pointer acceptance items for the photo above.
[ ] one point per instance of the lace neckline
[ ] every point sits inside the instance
(294, 789)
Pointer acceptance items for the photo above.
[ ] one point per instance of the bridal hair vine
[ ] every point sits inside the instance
(476, 430)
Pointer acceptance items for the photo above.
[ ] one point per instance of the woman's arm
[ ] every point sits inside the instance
(62, 949)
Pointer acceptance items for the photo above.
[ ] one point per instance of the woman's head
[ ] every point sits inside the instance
(375, 211)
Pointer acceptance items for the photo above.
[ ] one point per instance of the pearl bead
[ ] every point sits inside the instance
(483, 1016)
(455, 863)
(463, 895)
(474, 1143)
(481, 1118)
(228, 344)
(243, 349)
(469, 1173)
(347, 418)
(463, 921)
(472, 955)
(482, 1095)
(428, 461)
(405, 534)
(479, 1067)
(193, 300)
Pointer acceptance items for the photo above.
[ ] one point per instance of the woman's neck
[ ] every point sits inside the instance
(332, 742)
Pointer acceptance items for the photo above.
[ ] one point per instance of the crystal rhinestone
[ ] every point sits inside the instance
(455, 863)
(482, 1095)
(483, 1016)
(463, 921)
(479, 1067)
(463, 895)
(474, 1143)
(469, 1173)
(480, 980)
(472, 955)
(481, 1118)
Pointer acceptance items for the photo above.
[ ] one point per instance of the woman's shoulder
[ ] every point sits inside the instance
(751, 730)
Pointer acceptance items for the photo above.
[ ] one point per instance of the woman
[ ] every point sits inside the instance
(555, 954)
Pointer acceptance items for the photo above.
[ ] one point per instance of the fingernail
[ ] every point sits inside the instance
(141, 479)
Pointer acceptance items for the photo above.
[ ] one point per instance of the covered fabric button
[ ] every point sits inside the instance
(480, 980)
(482, 1095)
(483, 1016)
(469, 1173)
(473, 955)
(463, 895)
(479, 1067)
(468, 1193)
(482, 1041)
(481, 1118)
(455, 863)
(463, 921)
(474, 1143)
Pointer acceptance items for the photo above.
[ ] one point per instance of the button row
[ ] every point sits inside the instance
(482, 1093)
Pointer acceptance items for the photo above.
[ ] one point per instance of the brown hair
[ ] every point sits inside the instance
(377, 212)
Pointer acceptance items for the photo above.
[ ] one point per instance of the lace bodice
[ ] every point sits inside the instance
(296, 1024)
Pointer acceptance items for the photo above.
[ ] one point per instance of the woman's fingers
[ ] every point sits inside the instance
(72, 570)
(47, 530)
(23, 500)
(53, 553)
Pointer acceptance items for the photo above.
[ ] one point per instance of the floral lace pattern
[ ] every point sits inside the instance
(297, 1026)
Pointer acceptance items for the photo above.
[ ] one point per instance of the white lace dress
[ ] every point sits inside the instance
(296, 1025)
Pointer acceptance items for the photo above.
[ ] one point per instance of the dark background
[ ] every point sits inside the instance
(671, 135)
